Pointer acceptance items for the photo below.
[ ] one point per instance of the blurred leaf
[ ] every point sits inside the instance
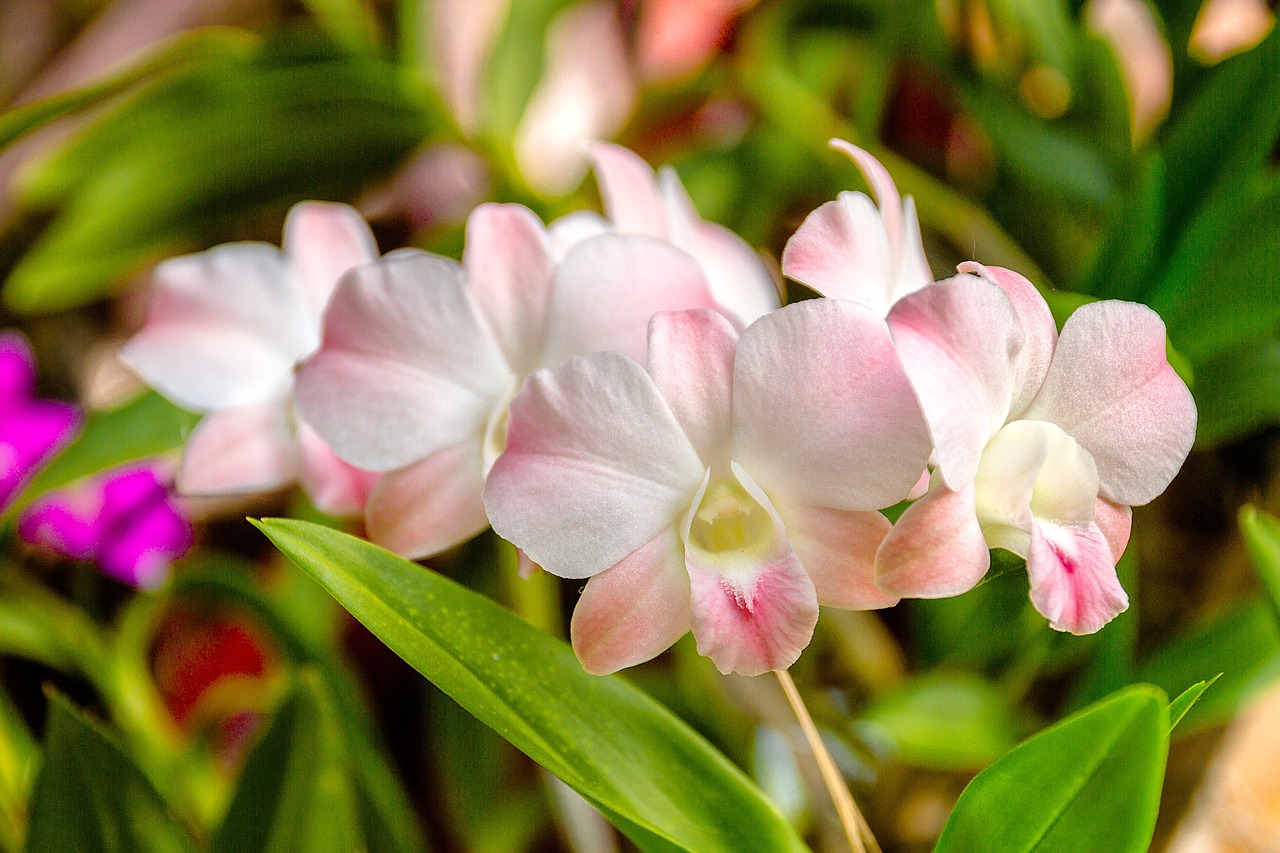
(148, 425)
(350, 22)
(199, 150)
(660, 783)
(1090, 782)
(43, 627)
(982, 629)
(514, 66)
(943, 721)
(19, 761)
(1262, 537)
(294, 793)
(1241, 644)
(90, 797)
(1237, 393)
(1179, 707)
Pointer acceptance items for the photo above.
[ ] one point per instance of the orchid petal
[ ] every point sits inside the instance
(936, 549)
(322, 241)
(508, 266)
(958, 341)
(17, 370)
(837, 547)
(1115, 521)
(30, 434)
(841, 250)
(596, 465)
(224, 328)
(1111, 387)
(739, 280)
(1073, 577)
(629, 190)
(572, 228)
(753, 608)
(335, 487)
(881, 183)
(635, 610)
(407, 367)
(823, 411)
(240, 450)
(608, 287)
(1040, 333)
(691, 361)
(429, 506)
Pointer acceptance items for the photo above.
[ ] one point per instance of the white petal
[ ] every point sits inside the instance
(429, 506)
(239, 451)
(691, 362)
(322, 241)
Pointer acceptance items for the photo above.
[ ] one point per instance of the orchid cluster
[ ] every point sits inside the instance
(623, 399)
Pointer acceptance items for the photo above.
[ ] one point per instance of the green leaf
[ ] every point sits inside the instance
(1091, 782)
(90, 796)
(19, 760)
(294, 794)
(1262, 537)
(1237, 393)
(40, 626)
(1179, 707)
(147, 425)
(945, 721)
(654, 778)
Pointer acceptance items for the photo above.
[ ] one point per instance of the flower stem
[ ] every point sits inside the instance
(855, 826)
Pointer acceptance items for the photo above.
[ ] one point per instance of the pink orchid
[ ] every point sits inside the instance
(637, 201)
(32, 430)
(850, 249)
(1042, 443)
(421, 357)
(224, 331)
(126, 520)
(730, 489)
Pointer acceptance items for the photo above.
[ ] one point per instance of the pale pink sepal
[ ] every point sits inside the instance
(1111, 387)
(240, 450)
(750, 613)
(959, 341)
(431, 505)
(1115, 521)
(629, 189)
(596, 465)
(838, 549)
(635, 610)
(334, 486)
(322, 241)
(936, 549)
(691, 361)
(1073, 577)
(818, 389)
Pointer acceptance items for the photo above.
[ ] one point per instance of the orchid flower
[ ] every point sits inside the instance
(421, 357)
(1042, 443)
(730, 489)
(224, 331)
(125, 520)
(636, 201)
(851, 249)
(32, 430)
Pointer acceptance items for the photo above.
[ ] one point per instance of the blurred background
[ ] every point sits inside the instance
(1106, 149)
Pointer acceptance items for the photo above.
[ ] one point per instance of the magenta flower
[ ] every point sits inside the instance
(730, 489)
(225, 330)
(31, 430)
(126, 520)
(1042, 443)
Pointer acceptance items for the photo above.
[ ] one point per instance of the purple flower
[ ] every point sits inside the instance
(31, 430)
(126, 520)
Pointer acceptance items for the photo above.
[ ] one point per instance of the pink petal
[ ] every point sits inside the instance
(629, 189)
(572, 228)
(508, 264)
(608, 287)
(754, 608)
(17, 370)
(1111, 387)
(823, 412)
(635, 610)
(936, 549)
(882, 186)
(1115, 521)
(224, 328)
(322, 241)
(1040, 333)
(596, 465)
(31, 433)
(838, 549)
(430, 506)
(335, 487)
(959, 341)
(241, 450)
(841, 250)
(407, 367)
(464, 36)
(1073, 577)
(739, 280)
(691, 362)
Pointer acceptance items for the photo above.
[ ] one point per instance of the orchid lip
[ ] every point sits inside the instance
(729, 527)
